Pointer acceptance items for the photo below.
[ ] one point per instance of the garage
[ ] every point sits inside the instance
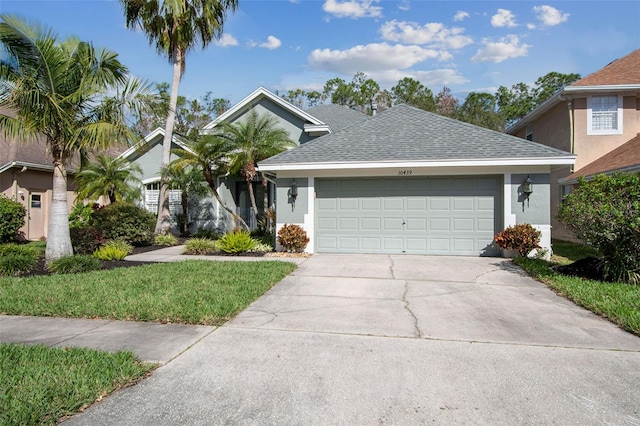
(412, 215)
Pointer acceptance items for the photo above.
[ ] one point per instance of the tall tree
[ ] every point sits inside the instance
(446, 103)
(412, 92)
(515, 103)
(210, 155)
(254, 139)
(365, 91)
(113, 178)
(57, 91)
(176, 27)
(547, 85)
(314, 98)
(190, 182)
(339, 92)
(481, 109)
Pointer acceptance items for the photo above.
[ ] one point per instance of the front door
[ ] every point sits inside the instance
(37, 201)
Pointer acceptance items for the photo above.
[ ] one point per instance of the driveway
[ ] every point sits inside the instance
(355, 339)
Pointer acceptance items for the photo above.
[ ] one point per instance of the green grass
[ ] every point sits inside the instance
(38, 385)
(565, 252)
(618, 302)
(190, 292)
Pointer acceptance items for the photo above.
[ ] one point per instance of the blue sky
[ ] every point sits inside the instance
(282, 45)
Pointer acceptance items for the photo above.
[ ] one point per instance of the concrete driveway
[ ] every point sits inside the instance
(355, 339)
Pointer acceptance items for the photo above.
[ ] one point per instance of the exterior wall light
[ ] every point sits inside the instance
(527, 186)
(293, 193)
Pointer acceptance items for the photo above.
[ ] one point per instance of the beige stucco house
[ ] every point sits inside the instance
(598, 119)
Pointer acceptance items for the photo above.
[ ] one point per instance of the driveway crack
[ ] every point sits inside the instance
(417, 331)
(391, 267)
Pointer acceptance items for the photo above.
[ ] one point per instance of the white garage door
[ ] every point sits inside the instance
(417, 215)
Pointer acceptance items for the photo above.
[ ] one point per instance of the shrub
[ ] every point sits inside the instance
(110, 253)
(522, 237)
(80, 216)
(86, 240)
(236, 242)
(165, 240)
(18, 259)
(199, 246)
(120, 244)
(127, 221)
(207, 233)
(74, 264)
(605, 214)
(12, 216)
(263, 237)
(261, 248)
(293, 238)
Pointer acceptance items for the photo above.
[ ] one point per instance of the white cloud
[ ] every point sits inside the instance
(352, 8)
(504, 18)
(550, 16)
(432, 34)
(433, 78)
(271, 43)
(404, 5)
(531, 26)
(506, 48)
(460, 15)
(226, 40)
(375, 57)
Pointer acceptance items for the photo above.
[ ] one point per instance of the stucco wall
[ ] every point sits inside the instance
(533, 209)
(286, 211)
(551, 128)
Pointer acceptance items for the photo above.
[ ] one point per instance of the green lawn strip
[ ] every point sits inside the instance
(38, 384)
(618, 302)
(189, 292)
(565, 252)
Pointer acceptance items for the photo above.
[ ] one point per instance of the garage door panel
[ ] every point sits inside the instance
(428, 215)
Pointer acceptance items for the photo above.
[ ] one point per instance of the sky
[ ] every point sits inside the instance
(290, 44)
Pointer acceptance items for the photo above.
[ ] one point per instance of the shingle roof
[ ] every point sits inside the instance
(405, 133)
(623, 157)
(338, 117)
(625, 70)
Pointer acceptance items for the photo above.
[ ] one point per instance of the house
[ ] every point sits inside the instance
(410, 181)
(302, 126)
(26, 176)
(598, 119)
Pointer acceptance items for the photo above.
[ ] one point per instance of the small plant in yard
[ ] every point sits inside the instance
(12, 217)
(522, 237)
(199, 246)
(166, 240)
(236, 242)
(293, 238)
(86, 240)
(18, 259)
(126, 221)
(261, 248)
(74, 264)
(110, 253)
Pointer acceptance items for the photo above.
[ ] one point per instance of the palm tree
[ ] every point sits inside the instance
(209, 154)
(56, 90)
(252, 140)
(175, 27)
(189, 181)
(113, 178)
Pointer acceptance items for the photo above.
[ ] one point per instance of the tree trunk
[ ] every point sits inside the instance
(265, 190)
(58, 238)
(163, 224)
(252, 197)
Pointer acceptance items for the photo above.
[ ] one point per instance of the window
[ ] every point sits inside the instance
(36, 201)
(152, 193)
(529, 133)
(604, 115)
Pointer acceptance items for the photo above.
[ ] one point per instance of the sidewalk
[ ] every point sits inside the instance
(150, 342)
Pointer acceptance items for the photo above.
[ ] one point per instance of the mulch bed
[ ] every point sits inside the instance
(589, 268)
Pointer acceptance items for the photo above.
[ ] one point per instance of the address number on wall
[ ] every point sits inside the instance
(405, 172)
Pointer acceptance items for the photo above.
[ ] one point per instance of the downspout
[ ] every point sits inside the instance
(571, 127)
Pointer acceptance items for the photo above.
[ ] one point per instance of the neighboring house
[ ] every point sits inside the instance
(598, 119)
(26, 176)
(410, 181)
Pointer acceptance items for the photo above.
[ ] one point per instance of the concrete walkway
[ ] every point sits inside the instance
(396, 340)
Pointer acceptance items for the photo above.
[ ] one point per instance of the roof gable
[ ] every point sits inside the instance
(623, 71)
(625, 157)
(150, 140)
(245, 104)
(407, 134)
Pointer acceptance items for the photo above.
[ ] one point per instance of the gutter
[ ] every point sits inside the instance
(32, 166)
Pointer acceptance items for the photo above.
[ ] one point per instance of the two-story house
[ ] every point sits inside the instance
(598, 119)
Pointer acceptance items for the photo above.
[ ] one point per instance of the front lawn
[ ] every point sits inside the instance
(618, 302)
(565, 252)
(189, 292)
(38, 385)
